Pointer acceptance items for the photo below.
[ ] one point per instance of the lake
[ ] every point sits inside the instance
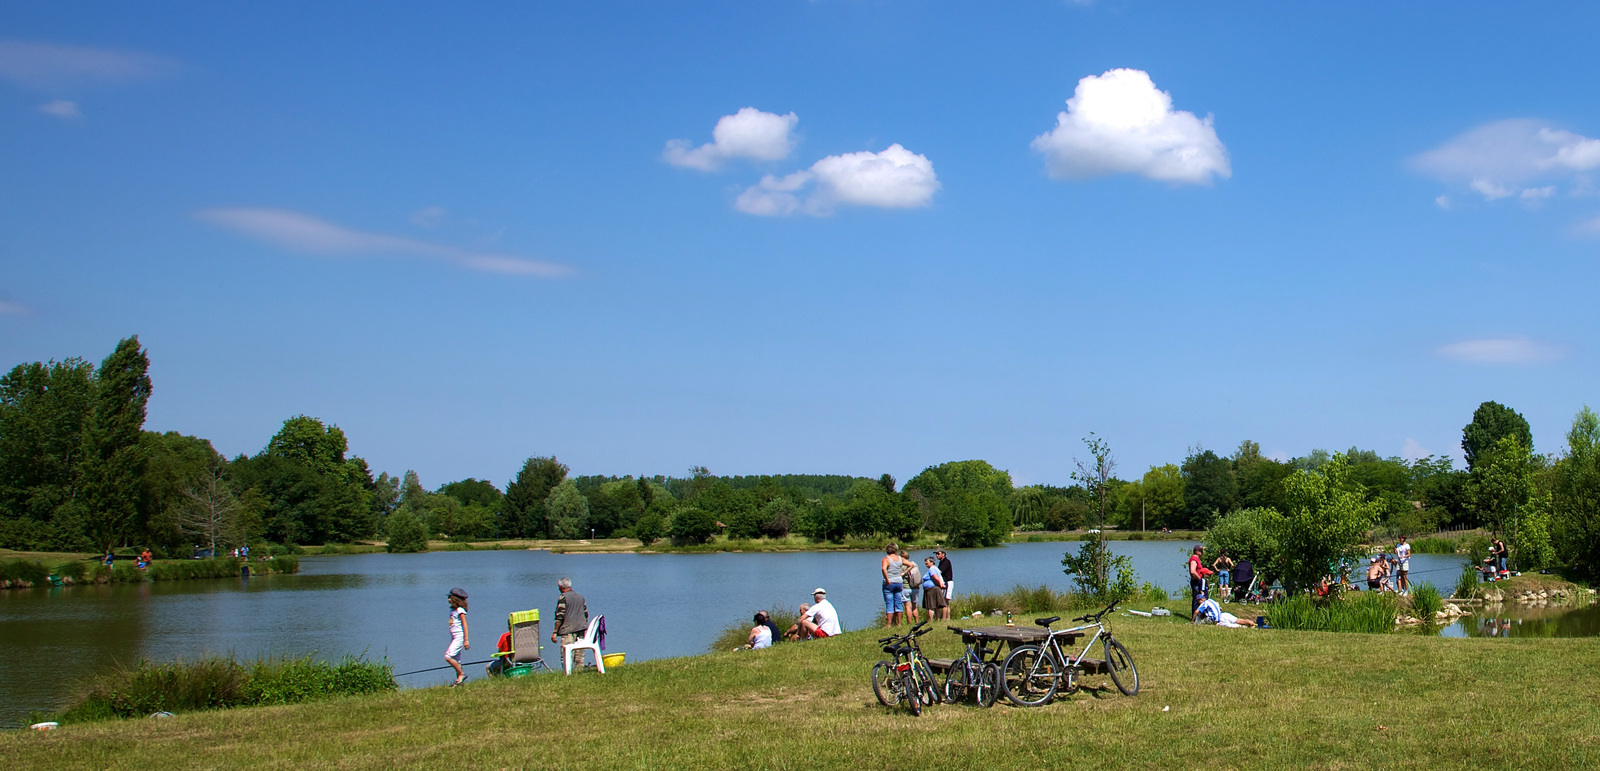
(393, 606)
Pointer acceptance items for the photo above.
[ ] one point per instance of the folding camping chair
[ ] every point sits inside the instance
(526, 651)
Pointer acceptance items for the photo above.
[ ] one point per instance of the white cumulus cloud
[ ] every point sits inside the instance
(62, 109)
(1413, 450)
(1511, 350)
(305, 233)
(46, 66)
(1120, 123)
(893, 179)
(1521, 157)
(748, 133)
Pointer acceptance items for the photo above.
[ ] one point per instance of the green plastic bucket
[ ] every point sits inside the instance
(520, 670)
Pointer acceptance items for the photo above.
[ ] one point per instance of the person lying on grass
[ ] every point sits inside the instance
(1212, 613)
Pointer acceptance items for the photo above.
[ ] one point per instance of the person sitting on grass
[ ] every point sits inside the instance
(760, 636)
(822, 620)
(796, 632)
(1212, 613)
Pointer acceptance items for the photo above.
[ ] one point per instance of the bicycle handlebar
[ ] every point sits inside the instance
(1093, 617)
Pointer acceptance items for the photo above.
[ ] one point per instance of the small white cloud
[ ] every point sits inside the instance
(1413, 449)
(305, 233)
(1589, 227)
(428, 216)
(1512, 157)
(62, 109)
(748, 133)
(893, 179)
(1502, 351)
(1443, 202)
(1120, 123)
(46, 66)
(8, 308)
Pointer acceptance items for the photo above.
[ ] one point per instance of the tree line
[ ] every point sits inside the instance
(78, 472)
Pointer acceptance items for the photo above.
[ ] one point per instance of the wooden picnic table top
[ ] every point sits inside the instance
(1016, 635)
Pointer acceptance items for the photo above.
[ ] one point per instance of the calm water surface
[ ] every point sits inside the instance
(393, 606)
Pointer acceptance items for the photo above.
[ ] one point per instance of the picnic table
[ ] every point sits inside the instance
(993, 643)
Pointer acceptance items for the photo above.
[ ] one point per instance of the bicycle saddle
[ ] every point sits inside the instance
(1046, 621)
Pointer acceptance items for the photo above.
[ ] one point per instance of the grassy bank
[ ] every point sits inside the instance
(1218, 697)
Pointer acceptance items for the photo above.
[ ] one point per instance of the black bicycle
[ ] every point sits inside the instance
(1032, 674)
(906, 679)
(971, 675)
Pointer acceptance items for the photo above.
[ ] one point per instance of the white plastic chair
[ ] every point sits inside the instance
(587, 643)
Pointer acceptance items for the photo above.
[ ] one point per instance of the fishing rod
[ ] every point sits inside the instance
(447, 666)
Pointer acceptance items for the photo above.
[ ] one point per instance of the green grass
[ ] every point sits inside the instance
(222, 683)
(1228, 698)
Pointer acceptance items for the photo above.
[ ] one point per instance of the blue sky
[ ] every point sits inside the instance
(810, 237)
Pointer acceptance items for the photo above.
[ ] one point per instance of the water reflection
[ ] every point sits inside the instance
(1511, 620)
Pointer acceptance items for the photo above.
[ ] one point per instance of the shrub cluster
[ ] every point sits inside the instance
(1369, 612)
(222, 683)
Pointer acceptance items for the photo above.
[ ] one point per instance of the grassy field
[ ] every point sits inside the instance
(1210, 697)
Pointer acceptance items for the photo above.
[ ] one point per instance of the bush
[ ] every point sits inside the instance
(406, 535)
(1366, 612)
(183, 570)
(73, 570)
(692, 525)
(24, 570)
(1136, 536)
(648, 528)
(127, 574)
(219, 683)
(1425, 601)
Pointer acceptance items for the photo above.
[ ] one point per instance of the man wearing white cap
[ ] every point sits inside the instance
(821, 620)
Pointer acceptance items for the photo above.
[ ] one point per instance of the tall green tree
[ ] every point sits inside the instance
(1492, 422)
(968, 497)
(522, 513)
(1093, 564)
(112, 458)
(1326, 519)
(1504, 493)
(1576, 499)
(1209, 488)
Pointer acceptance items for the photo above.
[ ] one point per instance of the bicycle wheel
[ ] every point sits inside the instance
(908, 685)
(988, 684)
(955, 682)
(930, 692)
(1029, 676)
(885, 684)
(1120, 662)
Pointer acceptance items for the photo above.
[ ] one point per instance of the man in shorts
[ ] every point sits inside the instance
(820, 620)
(1375, 574)
(1403, 554)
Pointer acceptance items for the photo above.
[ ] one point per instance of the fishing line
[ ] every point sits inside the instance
(447, 666)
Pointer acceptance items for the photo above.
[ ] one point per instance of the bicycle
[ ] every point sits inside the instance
(970, 673)
(907, 678)
(1032, 674)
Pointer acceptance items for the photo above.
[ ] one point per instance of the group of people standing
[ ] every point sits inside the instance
(903, 582)
(571, 623)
